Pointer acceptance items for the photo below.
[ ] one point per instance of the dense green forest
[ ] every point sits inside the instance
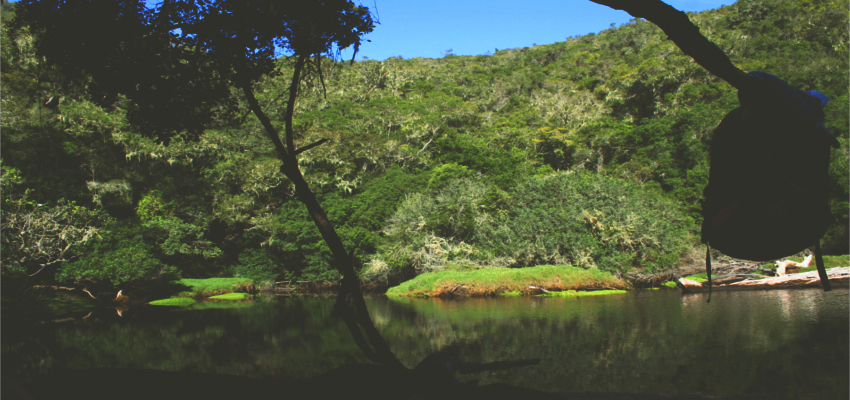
(591, 152)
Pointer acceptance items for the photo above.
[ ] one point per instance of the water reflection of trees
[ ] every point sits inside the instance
(650, 342)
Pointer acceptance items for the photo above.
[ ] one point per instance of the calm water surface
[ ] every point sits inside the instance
(783, 343)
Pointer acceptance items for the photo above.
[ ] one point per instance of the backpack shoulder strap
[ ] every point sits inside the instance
(708, 269)
(824, 279)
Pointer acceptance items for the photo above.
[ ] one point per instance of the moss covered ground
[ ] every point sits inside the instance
(174, 301)
(215, 286)
(580, 293)
(506, 281)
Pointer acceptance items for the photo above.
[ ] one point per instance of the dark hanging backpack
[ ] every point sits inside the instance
(767, 191)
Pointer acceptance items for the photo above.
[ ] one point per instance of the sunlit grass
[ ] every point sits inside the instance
(215, 286)
(232, 296)
(508, 281)
(197, 305)
(581, 293)
(176, 301)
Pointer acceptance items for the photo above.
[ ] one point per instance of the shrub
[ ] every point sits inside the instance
(585, 220)
(121, 255)
(590, 220)
(257, 265)
(444, 174)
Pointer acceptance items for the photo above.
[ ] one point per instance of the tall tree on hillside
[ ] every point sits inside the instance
(176, 63)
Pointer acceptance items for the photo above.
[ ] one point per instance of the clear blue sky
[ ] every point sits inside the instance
(416, 28)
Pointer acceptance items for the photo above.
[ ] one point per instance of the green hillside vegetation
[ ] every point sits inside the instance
(591, 152)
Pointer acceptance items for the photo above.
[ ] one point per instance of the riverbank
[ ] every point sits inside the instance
(546, 280)
(830, 262)
(209, 287)
(543, 279)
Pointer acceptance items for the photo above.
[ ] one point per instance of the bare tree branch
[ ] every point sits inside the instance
(311, 145)
(290, 104)
(271, 132)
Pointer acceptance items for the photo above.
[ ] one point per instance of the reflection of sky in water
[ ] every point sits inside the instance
(757, 313)
(792, 305)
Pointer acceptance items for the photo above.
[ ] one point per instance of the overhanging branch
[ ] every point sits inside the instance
(685, 34)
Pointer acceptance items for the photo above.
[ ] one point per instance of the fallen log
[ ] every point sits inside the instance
(54, 287)
(456, 288)
(789, 267)
(732, 278)
(841, 277)
(538, 288)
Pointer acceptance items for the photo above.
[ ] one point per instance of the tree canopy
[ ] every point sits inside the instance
(175, 62)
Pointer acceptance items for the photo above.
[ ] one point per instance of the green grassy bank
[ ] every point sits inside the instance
(213, 288)
(510, 281)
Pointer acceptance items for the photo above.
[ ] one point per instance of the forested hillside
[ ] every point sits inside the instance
(591, 152)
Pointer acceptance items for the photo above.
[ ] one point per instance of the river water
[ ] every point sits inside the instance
(781, 343)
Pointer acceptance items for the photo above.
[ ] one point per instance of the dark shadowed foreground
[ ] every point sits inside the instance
(358, 381)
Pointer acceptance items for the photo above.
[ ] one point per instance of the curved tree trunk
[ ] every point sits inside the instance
(350, 305)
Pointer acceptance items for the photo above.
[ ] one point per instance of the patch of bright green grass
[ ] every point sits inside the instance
(581, 293)
(701, 277)
(175, 301)
(490, 281)
(213, 286)
(670, 284)
(232, 296)
(511, 293)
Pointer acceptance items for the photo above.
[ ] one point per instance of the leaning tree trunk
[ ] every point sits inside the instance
(350, 305)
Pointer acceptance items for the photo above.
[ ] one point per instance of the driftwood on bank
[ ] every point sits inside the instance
(839, 276)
